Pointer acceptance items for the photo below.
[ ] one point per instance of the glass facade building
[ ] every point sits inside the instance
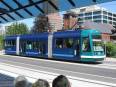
(96, 14)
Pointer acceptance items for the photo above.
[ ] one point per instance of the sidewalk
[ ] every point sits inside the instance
(110, 59)
(2, 52)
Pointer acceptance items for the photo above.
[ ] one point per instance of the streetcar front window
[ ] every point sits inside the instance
(98, 46)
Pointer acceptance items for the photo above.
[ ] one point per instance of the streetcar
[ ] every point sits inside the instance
(71, 45)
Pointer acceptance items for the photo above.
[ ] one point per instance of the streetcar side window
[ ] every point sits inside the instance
(29, 45)
(10, 43)
(35, 45)
(59, 43)
(32, 45)
(64, 43)
(86, 44)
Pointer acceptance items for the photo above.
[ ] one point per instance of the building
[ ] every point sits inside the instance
(113, 38)
(69, 20)
(54, 18)
(50, 21)
(55, 22)
(95, 14)
(97, 18)
(105, 29)
(48, 8)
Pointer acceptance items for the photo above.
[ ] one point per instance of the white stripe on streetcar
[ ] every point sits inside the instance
(93, 56)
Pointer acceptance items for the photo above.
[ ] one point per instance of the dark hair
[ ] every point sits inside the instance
(41, 83)
(21, 81)
(61, 81)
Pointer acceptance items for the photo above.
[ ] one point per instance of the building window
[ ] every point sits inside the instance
(114, 19)
(80, 15)
(98, 21)
(97, 17)
(88, 18)
(88, 14)
(110, 22)
(97, 12)
(114, 15)
(109, 18)
(104, 12)
(104, 17)
(80, 19)
(104, 21)
(109, 14)
(114, 23)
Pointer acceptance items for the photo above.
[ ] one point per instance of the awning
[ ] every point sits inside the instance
(14, 10)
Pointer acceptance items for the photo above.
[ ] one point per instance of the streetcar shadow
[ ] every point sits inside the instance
(61, 60)
(79, 62)
(92, 63)
(82, 62)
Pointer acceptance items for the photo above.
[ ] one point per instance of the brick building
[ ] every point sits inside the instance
(69, 20)
(51, 21)
(54, 18)
(55, 22)
(113, 38)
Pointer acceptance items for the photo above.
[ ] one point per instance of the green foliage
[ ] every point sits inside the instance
(111, 49)
(1, 42)
(17, 29)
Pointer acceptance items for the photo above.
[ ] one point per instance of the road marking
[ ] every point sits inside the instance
(62, 62)
(61, 70)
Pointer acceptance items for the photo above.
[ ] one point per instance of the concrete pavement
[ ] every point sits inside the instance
(32, 75)
(95, 72)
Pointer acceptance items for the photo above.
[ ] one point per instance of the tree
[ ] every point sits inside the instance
(17, 29)
(1, 42)
(111, 49)
(41, 24)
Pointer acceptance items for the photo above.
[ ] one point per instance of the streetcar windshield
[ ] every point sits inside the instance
(98, 45)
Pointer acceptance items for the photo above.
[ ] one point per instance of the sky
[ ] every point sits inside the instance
(111, 6)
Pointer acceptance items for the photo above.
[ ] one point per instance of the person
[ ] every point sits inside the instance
(21, 81)
(41, 83)
(61, 81)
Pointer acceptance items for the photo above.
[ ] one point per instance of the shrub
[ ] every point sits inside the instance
(111, 49)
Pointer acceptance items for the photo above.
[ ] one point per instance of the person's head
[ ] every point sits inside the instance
(41, 83)
(20, 81)
(61, 81)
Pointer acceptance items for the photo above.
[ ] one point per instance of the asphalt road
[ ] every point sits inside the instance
(87, 71)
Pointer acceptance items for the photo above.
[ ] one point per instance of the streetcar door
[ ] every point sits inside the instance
(42, 48)
(22, 47)
(77, 48)
(86, 46)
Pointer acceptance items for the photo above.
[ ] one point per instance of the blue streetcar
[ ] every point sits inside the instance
(75, 45)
